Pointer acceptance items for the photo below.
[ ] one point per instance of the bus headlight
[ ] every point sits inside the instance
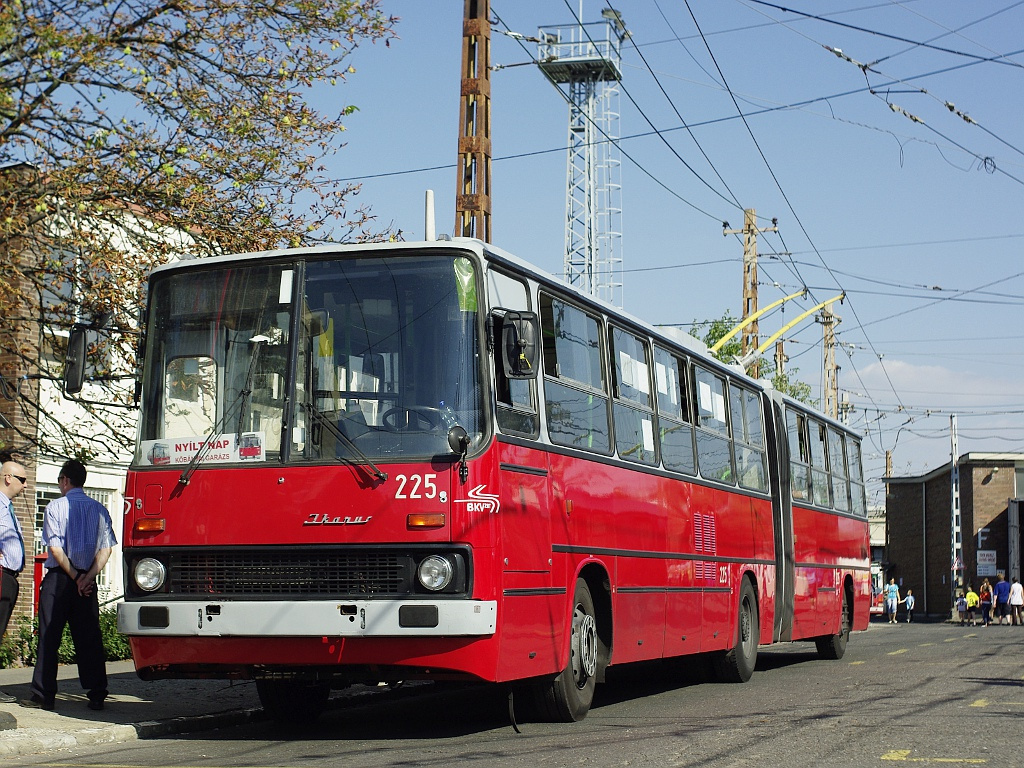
(435, 572)
(150, 574)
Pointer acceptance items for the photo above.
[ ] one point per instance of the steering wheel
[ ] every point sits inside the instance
(416, 418)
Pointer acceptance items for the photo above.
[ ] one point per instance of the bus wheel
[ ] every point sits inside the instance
(567, 698)
(293, 701)
(834, 646)
(737, 665)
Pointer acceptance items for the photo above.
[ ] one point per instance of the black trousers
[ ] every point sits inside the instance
(60, 605)
(8, 598)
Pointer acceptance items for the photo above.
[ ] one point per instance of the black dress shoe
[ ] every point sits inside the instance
(37, 702)
(6, 698)
(96, 704)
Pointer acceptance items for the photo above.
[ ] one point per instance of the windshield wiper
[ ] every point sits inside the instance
(218, 428)
(323, 421)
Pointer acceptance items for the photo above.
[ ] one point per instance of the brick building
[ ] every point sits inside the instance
(17, 392)
(920, 523)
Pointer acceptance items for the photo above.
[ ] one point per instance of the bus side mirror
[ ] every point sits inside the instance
(74, 361)
(519, 345)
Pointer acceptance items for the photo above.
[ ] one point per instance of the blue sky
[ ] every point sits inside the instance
(919, 222)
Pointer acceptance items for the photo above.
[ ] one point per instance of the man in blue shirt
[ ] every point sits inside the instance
(12, 545)
(1001, 598)
(79, 535)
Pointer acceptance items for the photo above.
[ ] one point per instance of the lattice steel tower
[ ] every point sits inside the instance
(585, 59)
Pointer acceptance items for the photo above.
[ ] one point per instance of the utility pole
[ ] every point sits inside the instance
(956, 542)
(828, 322)
(780, 357)
(473, 197)
(749, 233)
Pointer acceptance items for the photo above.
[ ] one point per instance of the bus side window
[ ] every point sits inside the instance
(858, 497)
(799, 454)
(714, 448)
(819, 466)
(516, 399)
(634, 419)
(576, 399)
(838, 471)
(748, 439)
(675, 420)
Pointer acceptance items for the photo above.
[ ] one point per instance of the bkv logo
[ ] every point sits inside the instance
(479, 501)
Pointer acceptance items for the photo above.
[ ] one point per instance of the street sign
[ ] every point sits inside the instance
(986, 562)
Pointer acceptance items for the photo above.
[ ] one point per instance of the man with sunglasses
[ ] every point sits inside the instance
(13, 478)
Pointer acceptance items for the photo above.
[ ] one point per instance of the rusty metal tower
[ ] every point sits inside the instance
(584, 61)
(473, 198)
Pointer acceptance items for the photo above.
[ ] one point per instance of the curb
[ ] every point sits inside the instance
(154, 729)
(27, 741)
(31, 741)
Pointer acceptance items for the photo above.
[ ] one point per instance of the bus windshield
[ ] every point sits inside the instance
(385, 361)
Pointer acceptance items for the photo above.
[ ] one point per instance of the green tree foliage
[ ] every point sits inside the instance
(711, 331)
(20, 642)
(138, 131)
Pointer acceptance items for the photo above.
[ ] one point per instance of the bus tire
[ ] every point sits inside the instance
(737, 665)
(567, 697)
(293, 702)
(834, 646)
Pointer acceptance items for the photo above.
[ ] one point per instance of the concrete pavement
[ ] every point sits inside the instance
(135, 710)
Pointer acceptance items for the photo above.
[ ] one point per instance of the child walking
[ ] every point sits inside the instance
(908, 601)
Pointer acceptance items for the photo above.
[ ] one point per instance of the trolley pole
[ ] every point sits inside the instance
(749, 232)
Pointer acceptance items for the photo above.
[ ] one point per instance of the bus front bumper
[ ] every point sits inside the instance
(337, 618)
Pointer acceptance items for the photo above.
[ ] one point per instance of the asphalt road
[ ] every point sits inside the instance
(918, 693)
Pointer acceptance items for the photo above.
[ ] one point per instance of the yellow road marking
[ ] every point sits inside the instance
(904, 755)
(980, 703)
(855, 663)
(897, 653)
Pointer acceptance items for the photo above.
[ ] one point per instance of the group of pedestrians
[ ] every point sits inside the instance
(78, 535)
(893, 601)
(999, 604)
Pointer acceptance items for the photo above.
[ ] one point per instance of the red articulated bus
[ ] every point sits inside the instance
(470, 471)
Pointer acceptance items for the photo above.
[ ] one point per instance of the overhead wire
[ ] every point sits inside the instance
(682, 121)
(773, 22)
(950, 106)
(886, 35)
(948, 31)
(701, 124)
(876, 91)
(785, 197)
(945, 298)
